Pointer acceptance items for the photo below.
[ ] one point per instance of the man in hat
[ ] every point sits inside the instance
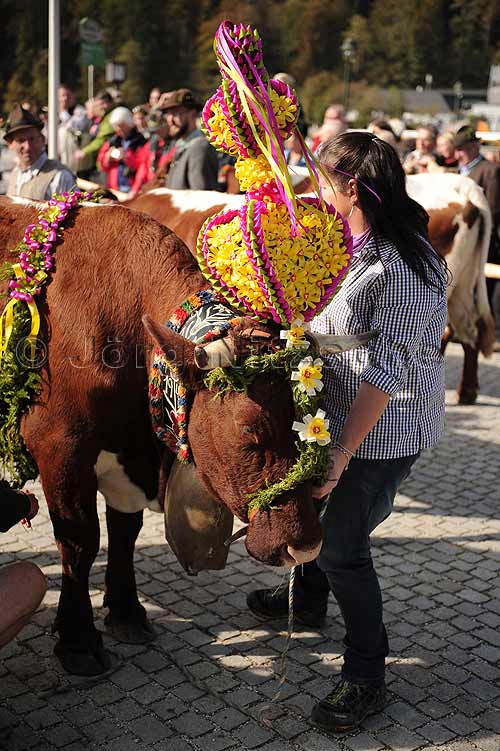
(35, 175)
(195, 164)
(487, 175)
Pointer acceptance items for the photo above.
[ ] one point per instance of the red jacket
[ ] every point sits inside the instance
(154, 154)
(131, 161)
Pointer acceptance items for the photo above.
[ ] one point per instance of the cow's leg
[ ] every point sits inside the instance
(469, 386)
(448, 333)
(126, 620)
(70, 487)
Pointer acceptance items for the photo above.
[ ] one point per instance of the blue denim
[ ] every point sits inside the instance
(363, 498)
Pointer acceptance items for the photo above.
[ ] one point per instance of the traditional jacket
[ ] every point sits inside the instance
(38, 182)
(195, 165)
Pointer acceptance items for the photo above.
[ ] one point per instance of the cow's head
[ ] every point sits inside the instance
(243, 441)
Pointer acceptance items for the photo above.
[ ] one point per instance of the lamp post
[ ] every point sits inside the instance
(348, 55)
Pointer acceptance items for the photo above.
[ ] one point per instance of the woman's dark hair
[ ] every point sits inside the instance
(396, 216)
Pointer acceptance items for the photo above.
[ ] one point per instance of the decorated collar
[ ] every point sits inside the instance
(201, 318)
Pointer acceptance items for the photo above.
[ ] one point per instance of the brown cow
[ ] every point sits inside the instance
(459, 222)
(90, 428)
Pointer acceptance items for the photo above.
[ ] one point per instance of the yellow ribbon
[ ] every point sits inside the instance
(7, 319)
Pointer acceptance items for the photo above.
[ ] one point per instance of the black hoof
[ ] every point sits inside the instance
(467, 397)
(95, 661)
(141, 632)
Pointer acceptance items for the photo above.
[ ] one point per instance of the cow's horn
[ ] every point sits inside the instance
(329, 344)
(218, 354)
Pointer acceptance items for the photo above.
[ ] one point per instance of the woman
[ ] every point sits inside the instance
(121, 156)
(445, 150)
(385, 403)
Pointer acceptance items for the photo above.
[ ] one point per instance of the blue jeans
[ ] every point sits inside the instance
(363, 498)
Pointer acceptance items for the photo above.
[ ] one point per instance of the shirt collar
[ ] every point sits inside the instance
(466, 168)
(37, 166)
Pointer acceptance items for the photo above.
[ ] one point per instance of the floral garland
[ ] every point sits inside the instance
(20, 381)
(305, 374)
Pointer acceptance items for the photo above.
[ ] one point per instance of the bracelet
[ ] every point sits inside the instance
(347, 453)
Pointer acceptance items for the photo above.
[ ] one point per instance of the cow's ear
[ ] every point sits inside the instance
(177, 350)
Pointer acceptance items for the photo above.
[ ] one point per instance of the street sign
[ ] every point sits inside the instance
(92, 53)
(91, 47)
(90, 31)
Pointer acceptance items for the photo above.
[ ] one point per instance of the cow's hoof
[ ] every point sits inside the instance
(468, 397)
(141, 632)
(92, 662)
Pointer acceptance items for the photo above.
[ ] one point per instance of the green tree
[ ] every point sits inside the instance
(470, 27)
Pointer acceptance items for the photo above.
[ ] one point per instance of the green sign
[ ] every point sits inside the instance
(92, 53)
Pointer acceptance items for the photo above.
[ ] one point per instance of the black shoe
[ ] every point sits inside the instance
(347, 705)
(273, 603)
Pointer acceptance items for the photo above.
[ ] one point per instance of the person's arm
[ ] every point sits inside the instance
(104, 132)
(366, 410)
(14, 506)
(403, 310)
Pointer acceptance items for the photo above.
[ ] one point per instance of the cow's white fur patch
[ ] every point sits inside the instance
(117, 488)
(198, 200)
(436, 190)
(23, 201)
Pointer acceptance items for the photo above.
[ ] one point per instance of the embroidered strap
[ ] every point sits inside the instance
(201, 319)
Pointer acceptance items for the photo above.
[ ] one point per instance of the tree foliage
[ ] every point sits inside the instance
(397, 42)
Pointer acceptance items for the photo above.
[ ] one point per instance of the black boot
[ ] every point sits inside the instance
(273, 603)
(347, 705)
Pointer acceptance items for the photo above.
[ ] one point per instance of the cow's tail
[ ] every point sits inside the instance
(486, 323)
(485, 320)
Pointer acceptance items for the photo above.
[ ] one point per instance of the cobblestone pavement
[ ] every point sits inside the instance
(205, 680)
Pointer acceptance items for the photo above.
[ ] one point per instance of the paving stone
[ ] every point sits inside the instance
(436, 732)
(315, 742)
(363, 742)
(400, 739)
(229, 718)
(149, 729)
(192, 724)
(405, 715)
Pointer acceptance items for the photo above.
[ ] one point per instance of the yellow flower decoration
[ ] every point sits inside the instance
(285, 110)
(220, 133)
(296, 335)
(313, 429)
(309, 374)
(304, 266)
(252, 173)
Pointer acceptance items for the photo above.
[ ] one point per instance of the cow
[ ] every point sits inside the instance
(459, 228)
(90, 427)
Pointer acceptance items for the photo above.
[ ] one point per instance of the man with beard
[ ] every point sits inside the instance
(195, 164)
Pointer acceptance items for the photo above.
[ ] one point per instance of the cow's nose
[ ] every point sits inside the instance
(302, 556)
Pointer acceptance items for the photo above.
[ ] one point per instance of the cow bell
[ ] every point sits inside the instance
(196, 524)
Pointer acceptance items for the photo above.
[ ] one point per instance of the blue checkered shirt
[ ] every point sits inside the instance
(381, 292)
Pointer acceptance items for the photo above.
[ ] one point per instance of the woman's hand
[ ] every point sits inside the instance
(34, 507)
(338, 463)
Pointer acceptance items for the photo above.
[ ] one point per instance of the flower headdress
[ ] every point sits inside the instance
(279, 257)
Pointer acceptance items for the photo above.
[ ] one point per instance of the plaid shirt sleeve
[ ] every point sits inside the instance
(403, 309)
